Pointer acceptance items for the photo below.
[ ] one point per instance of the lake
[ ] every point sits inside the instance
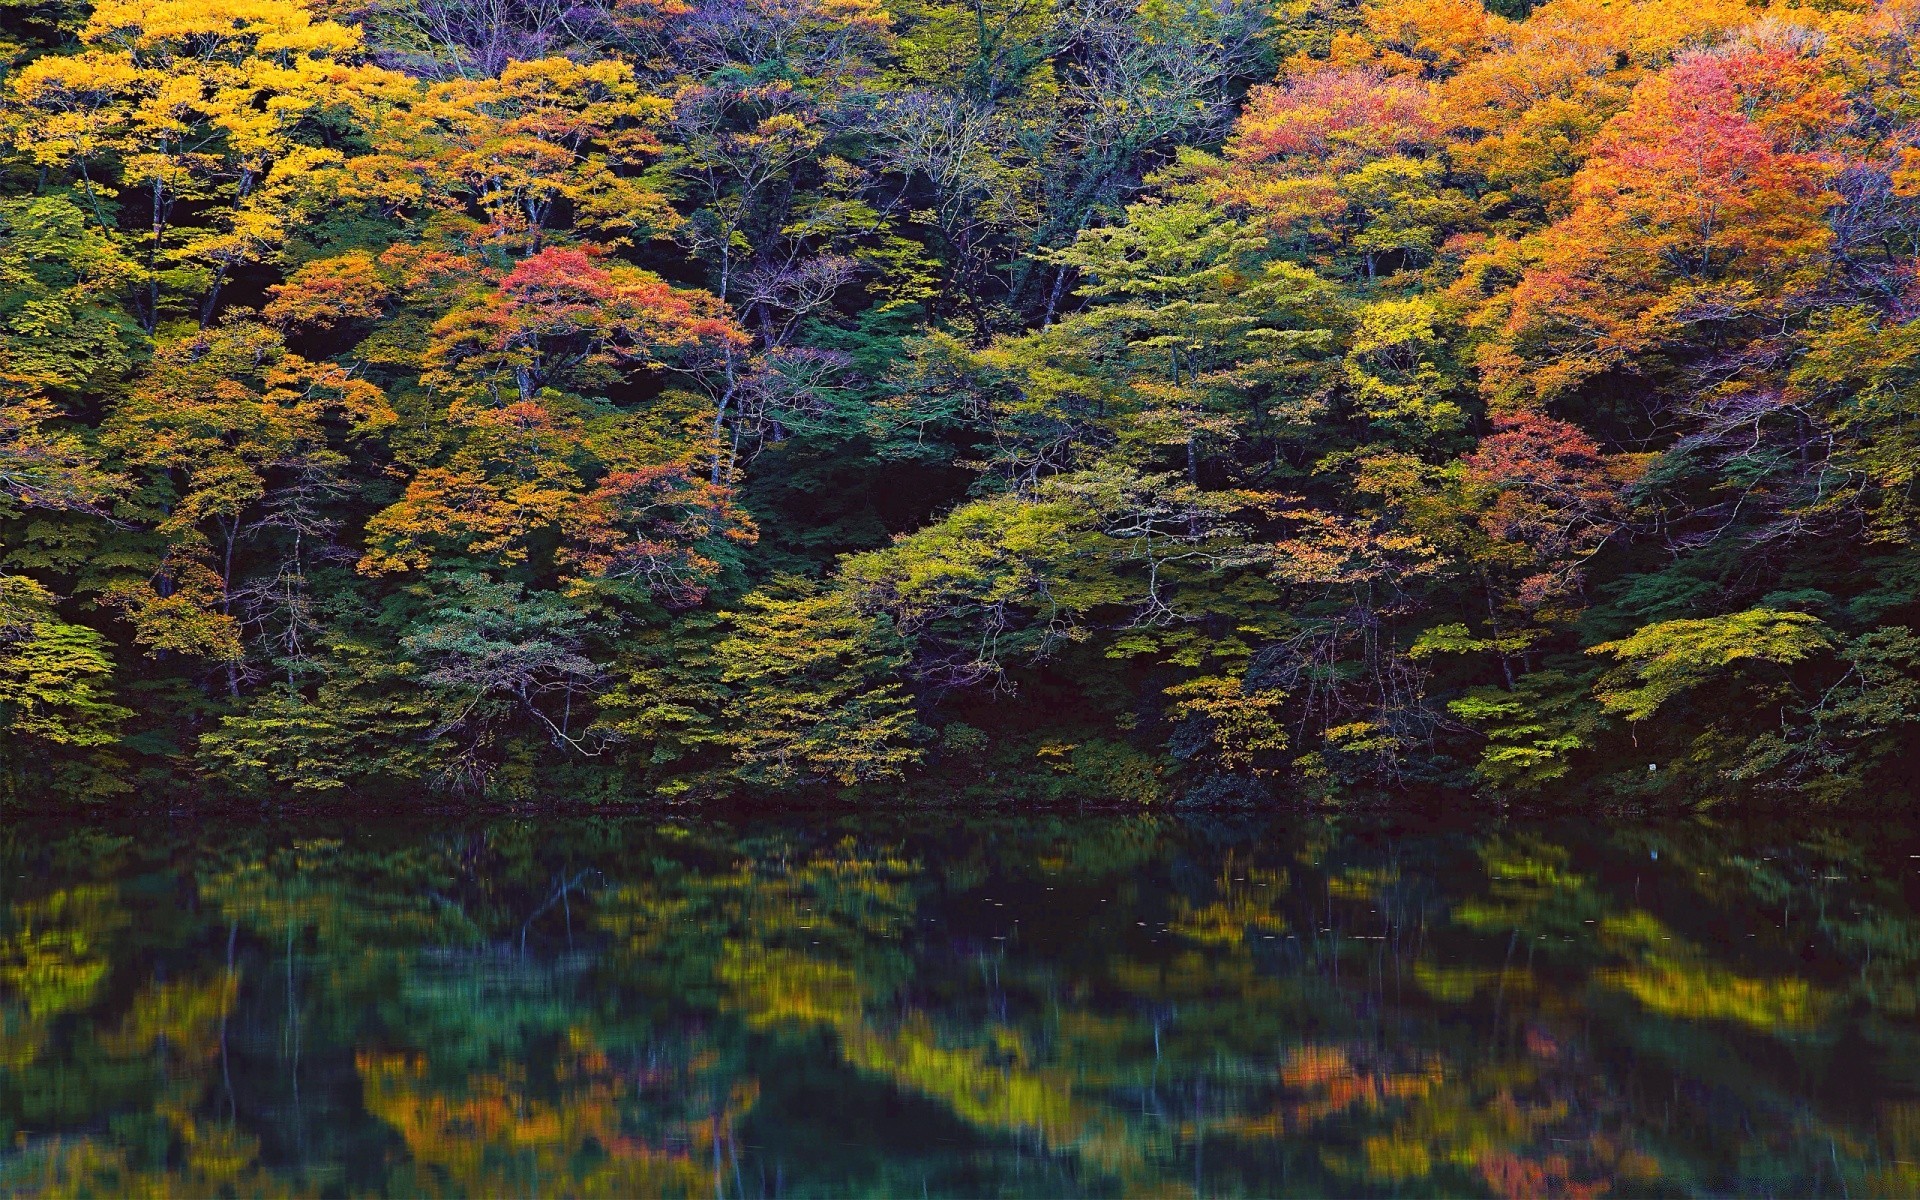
(925, 1004)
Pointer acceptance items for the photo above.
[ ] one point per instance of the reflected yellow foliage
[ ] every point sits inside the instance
(54, 956)
(316, 887)
(1194, 974)
(626, 1052)
(983, 1084)
(1526, 877)
(1455, 984)
(1361, 883)
(1676, 979)
(775, 986)
(1245, 903)
(185, 1014)
(1701, 992)
(1636, 928)
(1394, 1160)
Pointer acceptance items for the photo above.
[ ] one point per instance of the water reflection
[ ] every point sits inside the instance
(898, 1006)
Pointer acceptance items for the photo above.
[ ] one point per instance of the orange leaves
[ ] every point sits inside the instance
(606, 501)
(650, 528)
(1295, 140)
(201, 109)
(178, 611)
(1694, 208)
(460, 508)
(1513, 1177)
(564, 283)
(1327, 1082)
(1550, 461)
(234, 425)
(1436, 36)
(237, 395)
(1332, 119)
(44, 466)
(560, 318)
(1327, 549)
(643, 525)
(1713, 150)
(229, 124)
(329, 292)
(544, 134)
(568, 1125)
(513, 470)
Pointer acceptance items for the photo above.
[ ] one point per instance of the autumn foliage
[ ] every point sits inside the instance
(1233, 401)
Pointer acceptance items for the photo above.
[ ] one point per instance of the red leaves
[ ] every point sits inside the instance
(1515, 1178)
(642, 525)
(558, 279)
(1556, 498)
(1536, 453)
(560, 318)
(562, 292)
(1298, 144)
(1707, 150)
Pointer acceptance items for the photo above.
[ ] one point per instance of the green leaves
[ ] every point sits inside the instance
(53, 675)
(817, 691)
(62, 331)
(1661, 661)
(1532, 731)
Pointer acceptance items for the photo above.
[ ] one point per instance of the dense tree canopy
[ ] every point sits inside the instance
(1230, 400)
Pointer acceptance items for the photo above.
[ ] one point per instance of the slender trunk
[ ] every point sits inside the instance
(720, 414)
(733, 451)
(231, 530)
(220, 276)
(153, 257)
(732, 384)
(1060, 279)
(93, 201)
(1493, 620)
(213, 296)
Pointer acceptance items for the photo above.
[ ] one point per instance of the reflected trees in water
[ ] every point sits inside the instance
(1031, 1006)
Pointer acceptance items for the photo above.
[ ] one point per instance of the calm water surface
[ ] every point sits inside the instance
(905, 1006)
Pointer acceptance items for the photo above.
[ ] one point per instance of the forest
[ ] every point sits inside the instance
(1134, 401)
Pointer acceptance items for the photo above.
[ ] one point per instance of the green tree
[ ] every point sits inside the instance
(817, 689)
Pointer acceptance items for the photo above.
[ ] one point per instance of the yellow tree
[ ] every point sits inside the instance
(202, 122)
(544, 139)
(230, 430)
